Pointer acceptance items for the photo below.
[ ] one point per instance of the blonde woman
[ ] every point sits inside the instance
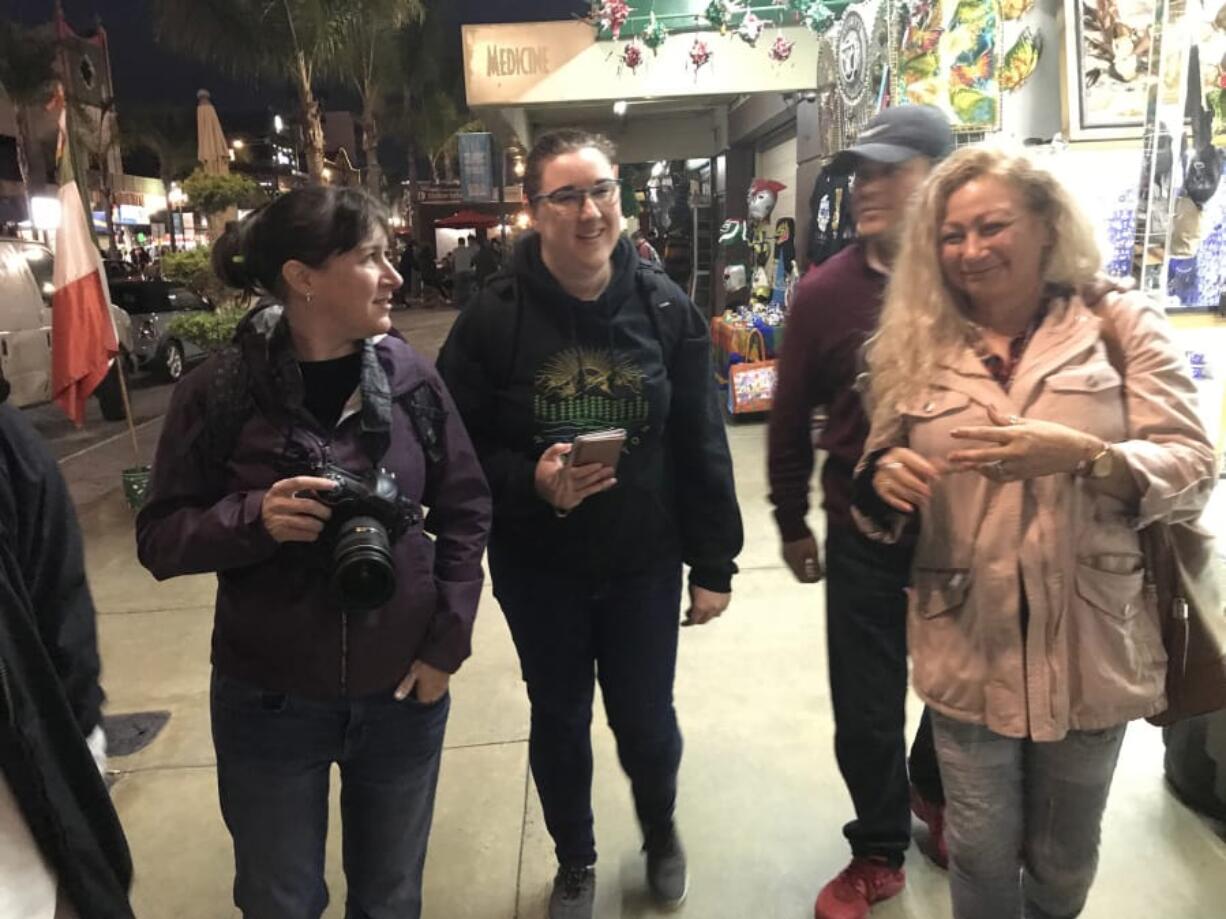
(1001, 422)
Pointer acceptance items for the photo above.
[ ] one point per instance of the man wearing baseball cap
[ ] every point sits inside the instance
(835, 311)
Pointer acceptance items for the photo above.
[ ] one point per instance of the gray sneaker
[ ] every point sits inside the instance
(574, 892)
(667, 876)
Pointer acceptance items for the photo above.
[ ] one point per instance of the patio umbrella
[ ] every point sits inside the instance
(211, 147)
(466, 219)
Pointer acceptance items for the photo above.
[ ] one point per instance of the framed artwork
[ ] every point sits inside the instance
(1106, 50)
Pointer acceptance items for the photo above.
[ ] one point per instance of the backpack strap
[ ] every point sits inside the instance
(665, 309)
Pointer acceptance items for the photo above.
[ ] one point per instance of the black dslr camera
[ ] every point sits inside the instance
(368, 515)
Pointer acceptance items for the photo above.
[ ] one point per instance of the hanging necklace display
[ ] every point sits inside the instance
(861, 56)
(852, 55)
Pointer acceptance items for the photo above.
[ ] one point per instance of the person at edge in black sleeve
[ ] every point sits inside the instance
(586, 561)
(836, 309)
(295, 465)
(62, 851)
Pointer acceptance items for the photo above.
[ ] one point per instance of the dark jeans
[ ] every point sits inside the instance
(866, 637)
(274, 756)
(570, 630)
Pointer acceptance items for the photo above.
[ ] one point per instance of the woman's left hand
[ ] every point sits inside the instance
(1023, 448)
(705, 605)
(430, 683)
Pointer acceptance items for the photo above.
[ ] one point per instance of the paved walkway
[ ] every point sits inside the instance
(761, 804)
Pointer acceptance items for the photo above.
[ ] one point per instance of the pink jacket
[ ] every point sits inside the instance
(1091, 655)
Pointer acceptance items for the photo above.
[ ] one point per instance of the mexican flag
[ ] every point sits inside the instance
(83, 341)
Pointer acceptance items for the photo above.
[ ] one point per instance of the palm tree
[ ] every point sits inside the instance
(168, 132)
(265, 39)
(369, 62)
(96, 126)
(27, 77)
(426, 109)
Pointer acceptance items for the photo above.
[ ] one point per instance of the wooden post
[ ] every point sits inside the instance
(127, 406)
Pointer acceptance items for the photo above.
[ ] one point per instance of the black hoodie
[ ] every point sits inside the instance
(50, 699)
(530, 366)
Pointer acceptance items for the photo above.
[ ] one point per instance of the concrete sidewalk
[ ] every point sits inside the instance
(762, 803)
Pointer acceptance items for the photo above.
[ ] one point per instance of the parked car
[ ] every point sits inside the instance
(153, 306)
(118, 269)
(26, 270)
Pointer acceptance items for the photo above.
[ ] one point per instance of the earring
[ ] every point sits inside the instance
(309, 295)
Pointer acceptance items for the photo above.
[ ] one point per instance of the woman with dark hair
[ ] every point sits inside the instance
(295, 465)
(582, 337)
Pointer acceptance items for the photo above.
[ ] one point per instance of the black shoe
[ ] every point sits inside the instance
(667, 877)
(574, 893)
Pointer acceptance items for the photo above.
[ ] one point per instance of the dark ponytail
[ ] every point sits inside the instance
(309, 225)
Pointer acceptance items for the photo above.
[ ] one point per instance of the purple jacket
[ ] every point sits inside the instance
(276, 625)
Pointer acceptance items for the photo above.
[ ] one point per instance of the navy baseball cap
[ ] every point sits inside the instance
(899, 134)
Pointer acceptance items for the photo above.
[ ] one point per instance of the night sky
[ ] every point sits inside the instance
(145, 73)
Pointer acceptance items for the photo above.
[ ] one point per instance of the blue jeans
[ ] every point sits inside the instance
(569, 630)
(274, 756)
(1023, 819)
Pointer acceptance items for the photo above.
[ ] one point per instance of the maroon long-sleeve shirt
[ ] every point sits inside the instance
(836, 309)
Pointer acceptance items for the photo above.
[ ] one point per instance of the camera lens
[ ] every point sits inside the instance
(363, 577)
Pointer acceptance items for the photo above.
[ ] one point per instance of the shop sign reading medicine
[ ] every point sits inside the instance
(504, 61)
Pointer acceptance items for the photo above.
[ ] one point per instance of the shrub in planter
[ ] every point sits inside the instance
(210, 331)
(193, 268)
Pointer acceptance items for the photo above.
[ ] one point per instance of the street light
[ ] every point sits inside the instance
(277, 124)
(237, 143)
(176, 198)
(327, 174)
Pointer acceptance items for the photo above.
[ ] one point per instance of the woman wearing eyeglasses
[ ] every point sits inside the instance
(586, 559)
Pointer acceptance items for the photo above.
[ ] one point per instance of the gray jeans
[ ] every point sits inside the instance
(1022, 819)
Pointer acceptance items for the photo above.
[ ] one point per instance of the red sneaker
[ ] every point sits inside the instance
(934, 816)
(861, 884)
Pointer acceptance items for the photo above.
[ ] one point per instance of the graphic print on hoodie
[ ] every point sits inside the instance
(580, 390)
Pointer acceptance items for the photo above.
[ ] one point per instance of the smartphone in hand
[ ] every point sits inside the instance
(604, 447)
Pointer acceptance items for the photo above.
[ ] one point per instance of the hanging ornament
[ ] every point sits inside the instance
(632, 56)
(818, 18)
(781, 50)
(609, 15)
(700, 54)
(750, 29)
(654, 33)
(720, 13)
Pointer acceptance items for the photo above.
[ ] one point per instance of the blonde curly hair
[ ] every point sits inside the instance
(924, 321)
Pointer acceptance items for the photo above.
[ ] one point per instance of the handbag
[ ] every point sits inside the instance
(1180, 575)
(1179, 570)
(751, 383)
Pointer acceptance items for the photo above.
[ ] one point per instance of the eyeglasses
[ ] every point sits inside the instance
(569, 198)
